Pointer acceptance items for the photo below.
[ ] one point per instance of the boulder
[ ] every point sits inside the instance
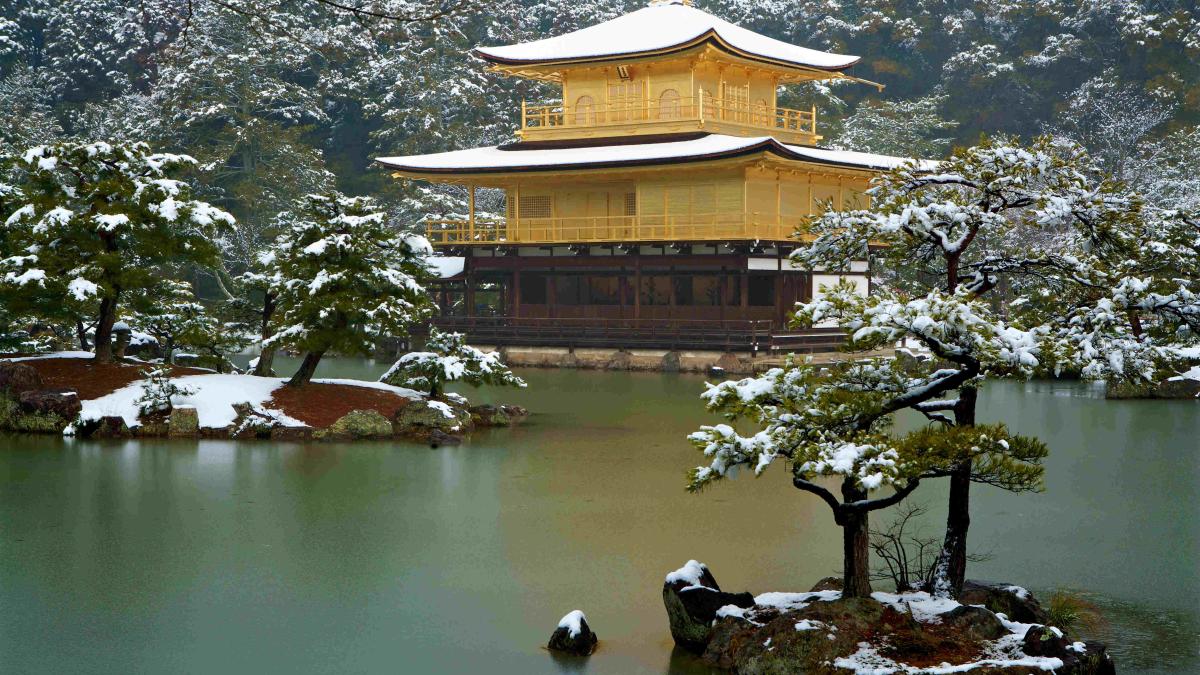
(292, 434)
(573, 636)
(1178, 387)
(184, 422)
(17, 378)
(357, 425)
(64, 404)
(420, 417)
(978, 623)
(827, 584)
(1078, 658)
(620, 360)
(692, 597)
(1012, 601)
(488, 415)
(110, 426)
(437, 438)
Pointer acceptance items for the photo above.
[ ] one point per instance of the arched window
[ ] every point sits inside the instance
(585, 111)
(668, 105)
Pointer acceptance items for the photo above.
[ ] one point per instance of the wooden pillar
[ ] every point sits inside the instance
(745, 288)
(671, 292)
(471, 211)
(469, 295)
(516, 293)
(637, 287)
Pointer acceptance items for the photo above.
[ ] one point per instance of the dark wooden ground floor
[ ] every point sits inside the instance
(659, 302)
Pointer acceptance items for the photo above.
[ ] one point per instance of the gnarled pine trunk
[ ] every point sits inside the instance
(856, 555)
(307, 367)
(108, 317)
(950, 571)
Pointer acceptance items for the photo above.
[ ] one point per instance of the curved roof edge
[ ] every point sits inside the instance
(661, 28)
(498, 159)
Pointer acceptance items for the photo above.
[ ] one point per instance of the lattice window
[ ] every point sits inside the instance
(535, 206)
(630, 204)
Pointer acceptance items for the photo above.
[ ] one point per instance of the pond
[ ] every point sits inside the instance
(217, 556)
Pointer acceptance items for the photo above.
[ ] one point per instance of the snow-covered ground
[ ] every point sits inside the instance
(1001, 653)
(212, 395)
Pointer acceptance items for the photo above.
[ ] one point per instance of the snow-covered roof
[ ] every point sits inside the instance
(658, 28)
(446, 267)
(495, 159)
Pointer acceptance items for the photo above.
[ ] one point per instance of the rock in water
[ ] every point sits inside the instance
(418, 418)
(357, 425)
(573, 635)
(692, 598)
(17, 378)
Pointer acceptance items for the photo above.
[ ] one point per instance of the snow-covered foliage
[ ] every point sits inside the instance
(346, 277)
(159, 391)
(101, 223)
(905, 128)
(448, 358)
(176, 320)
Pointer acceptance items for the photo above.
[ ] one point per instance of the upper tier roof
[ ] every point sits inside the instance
(658, 28)
(508, 159)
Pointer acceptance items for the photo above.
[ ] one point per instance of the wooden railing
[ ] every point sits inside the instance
(595, 229)
(699, 109)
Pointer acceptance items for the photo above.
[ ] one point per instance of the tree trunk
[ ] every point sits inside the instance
(81, 334)
(266, 358)
(856, 557)
(950, 570)
(307, 367)
(108, 316)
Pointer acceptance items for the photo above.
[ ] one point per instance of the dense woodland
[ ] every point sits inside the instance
(261, 103)
(281, 98)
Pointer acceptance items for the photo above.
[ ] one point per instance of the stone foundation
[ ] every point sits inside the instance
(660, 360)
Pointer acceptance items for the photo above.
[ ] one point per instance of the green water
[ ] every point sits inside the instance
(221, 557)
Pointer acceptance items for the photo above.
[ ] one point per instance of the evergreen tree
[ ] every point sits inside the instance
(448, 358)
(346, 278)
(102, 222)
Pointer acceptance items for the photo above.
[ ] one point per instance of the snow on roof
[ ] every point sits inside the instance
(656, 28)
(713, 146)
(446, 267)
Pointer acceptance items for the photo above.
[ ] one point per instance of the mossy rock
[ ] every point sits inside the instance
(184, 422)
(355, 425)
(419, 417)
(13, 418)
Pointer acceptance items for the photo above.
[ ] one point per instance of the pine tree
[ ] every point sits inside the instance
(102, 222)
(346, 278)
(1095, 284)
(448, 358)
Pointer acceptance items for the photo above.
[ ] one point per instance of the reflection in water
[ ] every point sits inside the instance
(223, 556)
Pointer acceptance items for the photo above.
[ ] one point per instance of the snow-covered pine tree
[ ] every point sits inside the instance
(1029, 260)
(104, 222)
(347, 278)
(448, 358)
(833, 422)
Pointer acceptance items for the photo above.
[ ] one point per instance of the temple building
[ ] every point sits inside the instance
(655, 202)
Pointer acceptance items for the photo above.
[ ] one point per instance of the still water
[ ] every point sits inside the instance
(223, 557)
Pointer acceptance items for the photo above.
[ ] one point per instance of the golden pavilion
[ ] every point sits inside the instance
(654, 203)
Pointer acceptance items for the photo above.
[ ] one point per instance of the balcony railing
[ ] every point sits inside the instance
(615, 229)
(701, 109)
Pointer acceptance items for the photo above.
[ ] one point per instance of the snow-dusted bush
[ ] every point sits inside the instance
(158, 390)
(448, 358)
